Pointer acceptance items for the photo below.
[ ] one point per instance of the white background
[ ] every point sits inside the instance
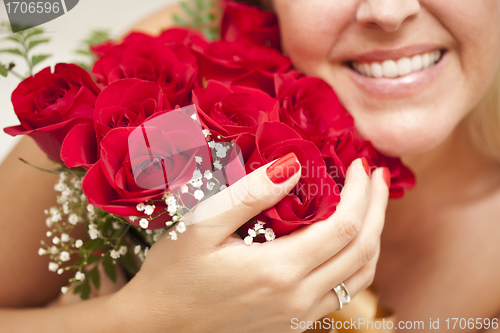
(66, 32)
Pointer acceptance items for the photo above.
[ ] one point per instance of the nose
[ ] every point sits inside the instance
(387, 15)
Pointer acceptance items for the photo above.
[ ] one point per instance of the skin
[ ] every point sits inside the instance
(440, 247)
(237, 288)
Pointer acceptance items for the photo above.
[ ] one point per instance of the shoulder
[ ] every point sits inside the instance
(161, 20)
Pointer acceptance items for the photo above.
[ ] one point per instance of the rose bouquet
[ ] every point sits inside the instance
(161, 123)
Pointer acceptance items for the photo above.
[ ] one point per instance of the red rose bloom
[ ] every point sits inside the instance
(125, 103)
(240, 63)
(316, 194)
(140, 164)
(243, 22)
(339, 152)
(49, 105)
(311, 107)
(144, 57)
(230, 112)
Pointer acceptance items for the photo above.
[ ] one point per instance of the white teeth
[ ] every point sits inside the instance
(390, 68)
(404, 66)
(400, 67)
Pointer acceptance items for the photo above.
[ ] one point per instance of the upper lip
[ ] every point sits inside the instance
(394, 53)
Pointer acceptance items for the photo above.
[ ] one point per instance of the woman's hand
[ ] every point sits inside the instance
(209, 281)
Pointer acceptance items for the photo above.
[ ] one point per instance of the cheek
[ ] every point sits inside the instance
(309, 29)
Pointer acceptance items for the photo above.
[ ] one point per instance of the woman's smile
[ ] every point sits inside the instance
(397, 72)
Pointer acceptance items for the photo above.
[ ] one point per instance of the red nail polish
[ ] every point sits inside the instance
(366, 166)
(387, 177)
(283, 169)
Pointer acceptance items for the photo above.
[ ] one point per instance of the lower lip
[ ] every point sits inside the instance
(401, 86)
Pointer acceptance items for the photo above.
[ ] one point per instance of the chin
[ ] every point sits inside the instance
(402, 139)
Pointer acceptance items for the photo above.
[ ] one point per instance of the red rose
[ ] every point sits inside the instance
(140, 164)
(230, 112)
(243, 22)
(49, 105)
(339, 152)
(311, 107)
(240, 63)
(144, 57)
(125, 103)
(316, 194)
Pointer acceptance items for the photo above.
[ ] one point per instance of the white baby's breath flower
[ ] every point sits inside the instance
(222, 187)
(56, 217)
(140, 207)
(49, 233)
(53, 250)
(144, 223)
(64, 238)
(172, 209)
(59, 187)
(64, 256)
(170, 200)
(93, 232)
(123, 250)
(197, 183)
(206, 132)
(252, 233)
(80, 276)
(137, 249)
(56, 240)
(184, 189)
(48, 222)
(221, 153)
(114, 254)
(210, 186)
(41, 252)
(169, 223)
(270, 234)
(175, 218)
(148, 210)
(65, 208)
(208, 174)
(181, 227)
(198, 194)
(173, 235)
(73, 219)
(196, 174)
(217, 165)
(132, 218)
(60, 271)
(211, 144)
(64, 290)
(53, 266)
(116, 225)
(248, 240)
(78, 243)
(198, 159)
(90, 208)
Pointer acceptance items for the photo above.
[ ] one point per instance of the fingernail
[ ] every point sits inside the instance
(387, 177)
(366, 166)
(283, 169)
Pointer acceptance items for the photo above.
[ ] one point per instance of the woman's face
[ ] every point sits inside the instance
(407, 70)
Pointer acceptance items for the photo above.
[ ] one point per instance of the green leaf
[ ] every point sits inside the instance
(13, 51)
(94, 276)
(180, 21)
(205, 19)
(39, 58)
(109, 268)
(34, 43)
(84, 52)
(128, 262)
(33, 32)
(15, 38)
(3, 71)
(83, 289)
(187, 9)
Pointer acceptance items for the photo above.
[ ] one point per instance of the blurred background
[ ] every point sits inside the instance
(67, 33)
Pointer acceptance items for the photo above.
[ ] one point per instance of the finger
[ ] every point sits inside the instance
(222, 214)
(355, 284)
(316, 243)
(364, 248)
